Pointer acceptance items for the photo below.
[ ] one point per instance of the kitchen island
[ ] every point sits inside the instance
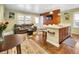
(57, 34)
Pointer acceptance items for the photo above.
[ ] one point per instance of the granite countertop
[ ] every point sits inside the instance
(56, 26)
(46, 27)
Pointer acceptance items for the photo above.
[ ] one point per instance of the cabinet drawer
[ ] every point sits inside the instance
(53, 32)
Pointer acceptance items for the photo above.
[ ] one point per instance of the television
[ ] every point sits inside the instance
(49, 17)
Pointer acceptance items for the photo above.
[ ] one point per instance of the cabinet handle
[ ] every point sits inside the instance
(51, 32)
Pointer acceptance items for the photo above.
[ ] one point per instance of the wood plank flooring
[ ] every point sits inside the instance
(37, 45)
(63, 49)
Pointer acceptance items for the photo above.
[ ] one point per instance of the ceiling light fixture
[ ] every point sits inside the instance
(51, 12)
(59, 14)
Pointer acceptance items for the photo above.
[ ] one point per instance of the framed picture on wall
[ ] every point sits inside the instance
(11, 15)
(67, 16)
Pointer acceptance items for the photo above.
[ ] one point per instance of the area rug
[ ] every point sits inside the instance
(70, 42)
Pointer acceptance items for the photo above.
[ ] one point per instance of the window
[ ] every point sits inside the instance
(37, 20)
(76, 20)
(20, 20)
(24, 20)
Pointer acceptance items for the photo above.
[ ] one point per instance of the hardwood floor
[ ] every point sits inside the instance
(63, 49)
(38, 45)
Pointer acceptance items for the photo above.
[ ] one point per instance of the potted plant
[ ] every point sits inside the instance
(3, 26)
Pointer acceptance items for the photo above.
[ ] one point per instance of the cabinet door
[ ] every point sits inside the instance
(63, 34)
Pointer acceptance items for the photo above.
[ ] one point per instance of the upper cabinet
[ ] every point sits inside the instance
(1, 12)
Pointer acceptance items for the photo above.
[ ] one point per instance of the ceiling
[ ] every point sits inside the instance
(40, 8)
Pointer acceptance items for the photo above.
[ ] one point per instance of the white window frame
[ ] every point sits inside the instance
(23, 19)
(76, 20)
(37, 20)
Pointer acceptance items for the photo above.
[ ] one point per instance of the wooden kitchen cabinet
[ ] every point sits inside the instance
(63, 34)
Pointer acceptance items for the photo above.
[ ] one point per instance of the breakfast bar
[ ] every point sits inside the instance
(57, 34)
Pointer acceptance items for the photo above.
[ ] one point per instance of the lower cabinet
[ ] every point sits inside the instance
(63, 34)
(56, 36)
(53, 37)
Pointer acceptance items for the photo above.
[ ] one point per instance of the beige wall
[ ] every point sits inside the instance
(1, 12)
(70, 21)
(13, 21)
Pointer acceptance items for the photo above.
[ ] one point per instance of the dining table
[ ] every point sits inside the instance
(11, 41)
